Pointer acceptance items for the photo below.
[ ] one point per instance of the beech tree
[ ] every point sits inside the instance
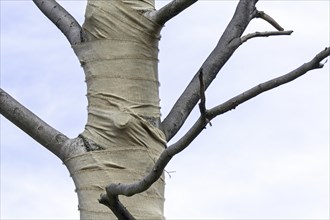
(117, 163)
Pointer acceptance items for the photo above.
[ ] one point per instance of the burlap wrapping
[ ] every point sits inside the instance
(120, 64)
(94, 170)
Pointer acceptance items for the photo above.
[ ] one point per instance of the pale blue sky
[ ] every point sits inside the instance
(267, 159)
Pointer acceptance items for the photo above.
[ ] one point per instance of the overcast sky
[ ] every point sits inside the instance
(269, 158)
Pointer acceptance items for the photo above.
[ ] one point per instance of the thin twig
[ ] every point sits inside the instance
(232, 103)
(264, 34)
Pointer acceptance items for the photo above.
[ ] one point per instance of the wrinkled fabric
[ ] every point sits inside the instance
(120, 63)
(120, 59)
(94, 170)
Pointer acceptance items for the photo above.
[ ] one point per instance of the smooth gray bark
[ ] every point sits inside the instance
(63, 20)
(227, 45)
(31, 124)
(169, 11)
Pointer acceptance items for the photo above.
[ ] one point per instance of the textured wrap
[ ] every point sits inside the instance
(120, 63)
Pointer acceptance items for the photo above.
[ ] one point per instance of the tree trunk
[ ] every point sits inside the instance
(121, 137)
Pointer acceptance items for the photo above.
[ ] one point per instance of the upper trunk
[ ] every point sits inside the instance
(121, 137)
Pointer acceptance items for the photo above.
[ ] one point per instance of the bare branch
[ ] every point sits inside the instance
(46, 135)
(199, 125)
(228, 43)
(113, 190)
(116, 207)
(169, 11)
(270, 20)
(264, 34)
(62, 19)
(315, 63)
